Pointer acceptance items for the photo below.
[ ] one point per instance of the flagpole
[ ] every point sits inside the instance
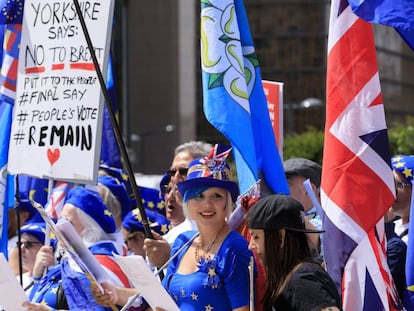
(19, 234)
(121, 144)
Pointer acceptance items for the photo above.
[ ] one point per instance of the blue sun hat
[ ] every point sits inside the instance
(38, 230)
(157, 222)
(405, 165)
(91, 203)
(210, 171)
(119, 191)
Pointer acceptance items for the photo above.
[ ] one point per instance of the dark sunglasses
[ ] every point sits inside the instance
(28, 244)
(182, 171)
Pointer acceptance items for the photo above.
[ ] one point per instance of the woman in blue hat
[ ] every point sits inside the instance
(133, 229)
(95, 225)
(209, 269)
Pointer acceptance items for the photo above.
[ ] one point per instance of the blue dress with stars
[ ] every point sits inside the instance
(220, 284)
(45, 290)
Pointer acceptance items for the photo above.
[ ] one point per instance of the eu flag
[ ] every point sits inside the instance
(395, 13)
(234, 101)
(11, 11)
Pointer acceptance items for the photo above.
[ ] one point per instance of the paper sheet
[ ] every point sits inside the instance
(12, 294)
(82, 255)
(145, 281)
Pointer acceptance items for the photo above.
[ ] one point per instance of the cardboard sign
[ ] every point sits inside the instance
(274, 95)
(57, 124)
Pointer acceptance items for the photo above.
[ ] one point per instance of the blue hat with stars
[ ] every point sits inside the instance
(405, 165)
(157, 222)
(119, 191)
(91, 203)
(38, 230)
(210, 171)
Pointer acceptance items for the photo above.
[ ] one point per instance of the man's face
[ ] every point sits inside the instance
(401, 206)
(298, 191)
(173, 202)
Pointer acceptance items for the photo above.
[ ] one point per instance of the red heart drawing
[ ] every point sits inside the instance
(53, 155)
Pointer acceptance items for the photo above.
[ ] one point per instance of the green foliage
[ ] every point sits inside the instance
(401, 136)
(308, 145)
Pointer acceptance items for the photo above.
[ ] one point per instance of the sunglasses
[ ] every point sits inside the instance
(181, 171)
(28, 244)
(401, 185)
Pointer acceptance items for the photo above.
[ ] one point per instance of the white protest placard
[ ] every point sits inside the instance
(57, 120)
(12, 294)
(145, 281)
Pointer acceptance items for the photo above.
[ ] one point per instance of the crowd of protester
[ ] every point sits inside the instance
(272, 261)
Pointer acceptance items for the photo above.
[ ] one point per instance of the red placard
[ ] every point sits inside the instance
(274, 95)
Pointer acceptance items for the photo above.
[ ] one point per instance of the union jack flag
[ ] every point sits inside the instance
(357, 181)
(57, 199)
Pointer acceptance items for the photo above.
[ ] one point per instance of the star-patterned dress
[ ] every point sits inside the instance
(220, 284)
(45, 290)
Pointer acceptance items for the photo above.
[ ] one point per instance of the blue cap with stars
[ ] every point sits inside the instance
(157, 222)
(38, 230)
(405, 165)
(91, 203)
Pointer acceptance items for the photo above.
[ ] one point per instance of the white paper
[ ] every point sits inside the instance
(146, 282)
(87, 259)
(12, 294)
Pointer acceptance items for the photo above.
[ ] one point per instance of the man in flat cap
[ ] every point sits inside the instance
(297, 171)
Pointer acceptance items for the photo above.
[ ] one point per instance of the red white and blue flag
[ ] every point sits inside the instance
(357, 181)
(10, 24)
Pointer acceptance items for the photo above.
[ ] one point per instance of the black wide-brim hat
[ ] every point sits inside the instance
(211, 171)
(276, 212)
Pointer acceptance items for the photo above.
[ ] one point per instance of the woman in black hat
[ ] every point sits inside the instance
(294, 281)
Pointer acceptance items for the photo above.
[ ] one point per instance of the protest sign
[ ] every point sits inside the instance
(274, 96)
(57, 124)
(12, 294)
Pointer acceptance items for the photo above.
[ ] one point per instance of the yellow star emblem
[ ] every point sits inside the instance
(407, 172)
(160, 205)
(399, 164)
(211, 272)
(183, 292)
(150, 204)
(397, 159)
(208, 308)
(137, 214)
(164, 229)
(54, 290)
(194, 296)
(108, 213)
